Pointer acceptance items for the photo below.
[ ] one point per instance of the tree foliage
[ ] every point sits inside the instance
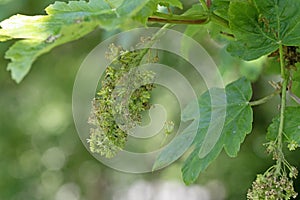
(251, 28)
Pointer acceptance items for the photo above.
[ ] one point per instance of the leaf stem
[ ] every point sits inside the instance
(156, 36)
(264, 99)
(212, 16)
(282, 108)
(178, 19)
(219, 20)
(204, 5)
(208, 3)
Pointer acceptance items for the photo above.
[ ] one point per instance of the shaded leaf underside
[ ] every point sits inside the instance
(238, 123)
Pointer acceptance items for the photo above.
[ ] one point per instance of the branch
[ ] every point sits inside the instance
(208, 3)
(182, 19)
(175, 21)
(204, 5)
(178, 19)
(265, 99)
(282, 109)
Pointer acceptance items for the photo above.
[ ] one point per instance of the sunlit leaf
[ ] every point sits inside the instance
(63, 23)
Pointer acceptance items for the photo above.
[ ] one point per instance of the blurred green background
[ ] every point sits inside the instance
(42, 157)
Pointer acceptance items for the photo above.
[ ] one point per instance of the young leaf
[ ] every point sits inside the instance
(260, 26)
(291, 127)
(238, 123)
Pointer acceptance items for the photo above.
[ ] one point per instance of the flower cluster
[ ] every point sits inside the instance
(124, 94)
(272, 186)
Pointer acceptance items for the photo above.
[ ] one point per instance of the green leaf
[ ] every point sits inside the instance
(194, 165)
(194, 30)
(3, 36)
(220, 8)
(238, 123)
(151, 6)
(177, 147)
(260, 26)
(146, 11)
(296, 89)
(296, 81)
(114, 3)
(291, 127)
(23, 53)
(63, 23)
(212, 28)
(196, 11)
(182, 141)
(60, 15)
(252, 69)
(175, 3)
(131, 6)
(77, 6)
